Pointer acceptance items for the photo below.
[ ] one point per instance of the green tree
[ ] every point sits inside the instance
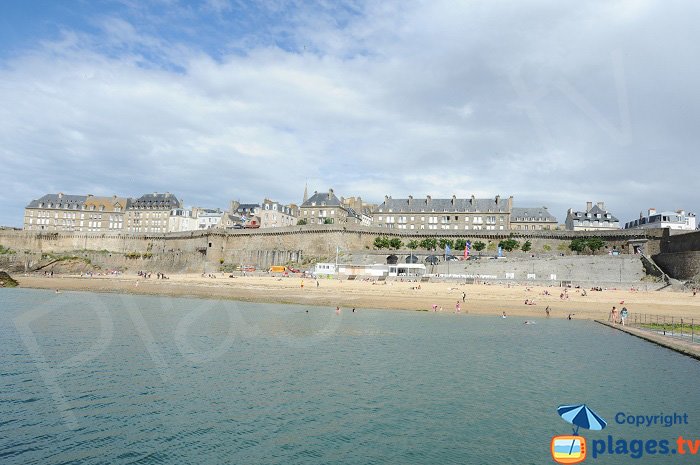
(381, 242)
(578, 245)
(527, 246)
(595, 243)
(509, 245)
(429, 243)
(328, 221)
(547, 247)
(442, 242)
(460, 244)
(395, 243)
(478, 246)
(301, 222)
(413, 245)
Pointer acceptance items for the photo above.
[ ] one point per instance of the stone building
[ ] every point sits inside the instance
(595, 218)
(326, 208)
(275, 215)
(532, 219)
(103, 214)
(249, 214)
(456, 214)
(55, 212)
(150, 213)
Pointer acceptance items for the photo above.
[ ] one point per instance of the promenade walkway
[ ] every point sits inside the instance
(684, 347)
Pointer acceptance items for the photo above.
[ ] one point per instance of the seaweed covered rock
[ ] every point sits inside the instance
(7, 281)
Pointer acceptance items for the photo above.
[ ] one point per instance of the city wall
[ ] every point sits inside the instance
(679, 256)
(206, 251)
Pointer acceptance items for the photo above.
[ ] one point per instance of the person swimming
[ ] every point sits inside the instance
(504, 315)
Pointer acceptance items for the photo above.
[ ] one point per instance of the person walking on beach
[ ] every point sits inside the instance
(613, 315)
(546, 310)
(464, 296)
(623, 315)
(458, 307)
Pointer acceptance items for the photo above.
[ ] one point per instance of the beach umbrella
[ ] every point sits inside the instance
(581, 417)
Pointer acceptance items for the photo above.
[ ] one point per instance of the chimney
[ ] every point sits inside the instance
(473, 200)
(601, 205)
(498, 199)
(330, 193)
(589, 205)
(410, 199)
(652, 211)
(386, 199)
(454, 200)
(428, 199)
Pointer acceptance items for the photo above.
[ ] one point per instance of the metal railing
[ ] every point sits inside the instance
(681, 328)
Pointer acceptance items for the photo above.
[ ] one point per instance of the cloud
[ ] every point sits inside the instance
(553, 104)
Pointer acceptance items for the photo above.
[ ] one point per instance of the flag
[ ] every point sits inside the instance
(467, 248)
(500, 251)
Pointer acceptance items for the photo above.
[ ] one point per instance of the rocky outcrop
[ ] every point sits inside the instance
(7, 281)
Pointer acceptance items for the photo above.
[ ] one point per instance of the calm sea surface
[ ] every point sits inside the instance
(89, 378)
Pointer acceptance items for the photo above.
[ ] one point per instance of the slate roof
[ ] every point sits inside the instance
(68, 201)
(591, 214)
(443, 205)
(330, 199)
(155, 201)
(524, 214)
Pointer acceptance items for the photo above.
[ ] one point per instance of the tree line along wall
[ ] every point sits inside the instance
(206, 250)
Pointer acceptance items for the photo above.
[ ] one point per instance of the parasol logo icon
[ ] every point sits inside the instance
(572, 448)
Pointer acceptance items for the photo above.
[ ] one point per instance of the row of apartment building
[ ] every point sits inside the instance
(163, 212)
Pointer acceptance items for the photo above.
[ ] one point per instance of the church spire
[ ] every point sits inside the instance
(306, 193)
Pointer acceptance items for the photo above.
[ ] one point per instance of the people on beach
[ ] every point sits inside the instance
(435, 307)
(613, 315)
(337, 310)
(504, 315)
(623, 315)
(570, 315)
(464, 296)
(546, 310)
(458, 307)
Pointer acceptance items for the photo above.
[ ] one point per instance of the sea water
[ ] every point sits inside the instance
(122, 379)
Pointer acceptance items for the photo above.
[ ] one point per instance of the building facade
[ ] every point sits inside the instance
(275, 215)
(532, 219)
(455, 214)
(103, 214)
(55, 212)
(326, 208)
(150, 213)
(595, 218)
(679, 220)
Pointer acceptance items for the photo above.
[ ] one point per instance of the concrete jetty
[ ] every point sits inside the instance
(678, 345)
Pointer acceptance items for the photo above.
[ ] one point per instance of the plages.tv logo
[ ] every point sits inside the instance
(572, 448)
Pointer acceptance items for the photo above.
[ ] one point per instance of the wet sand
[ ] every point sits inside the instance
(483, 299)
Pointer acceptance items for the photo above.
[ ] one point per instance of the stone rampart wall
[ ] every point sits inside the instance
(206, 250)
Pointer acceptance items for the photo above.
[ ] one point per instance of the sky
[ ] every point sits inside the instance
(553, 102)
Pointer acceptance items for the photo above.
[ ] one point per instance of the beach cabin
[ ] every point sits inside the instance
(414, 270)
(324, 269)
(375, 270)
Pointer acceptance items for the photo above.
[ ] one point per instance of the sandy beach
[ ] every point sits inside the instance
(481, 299)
